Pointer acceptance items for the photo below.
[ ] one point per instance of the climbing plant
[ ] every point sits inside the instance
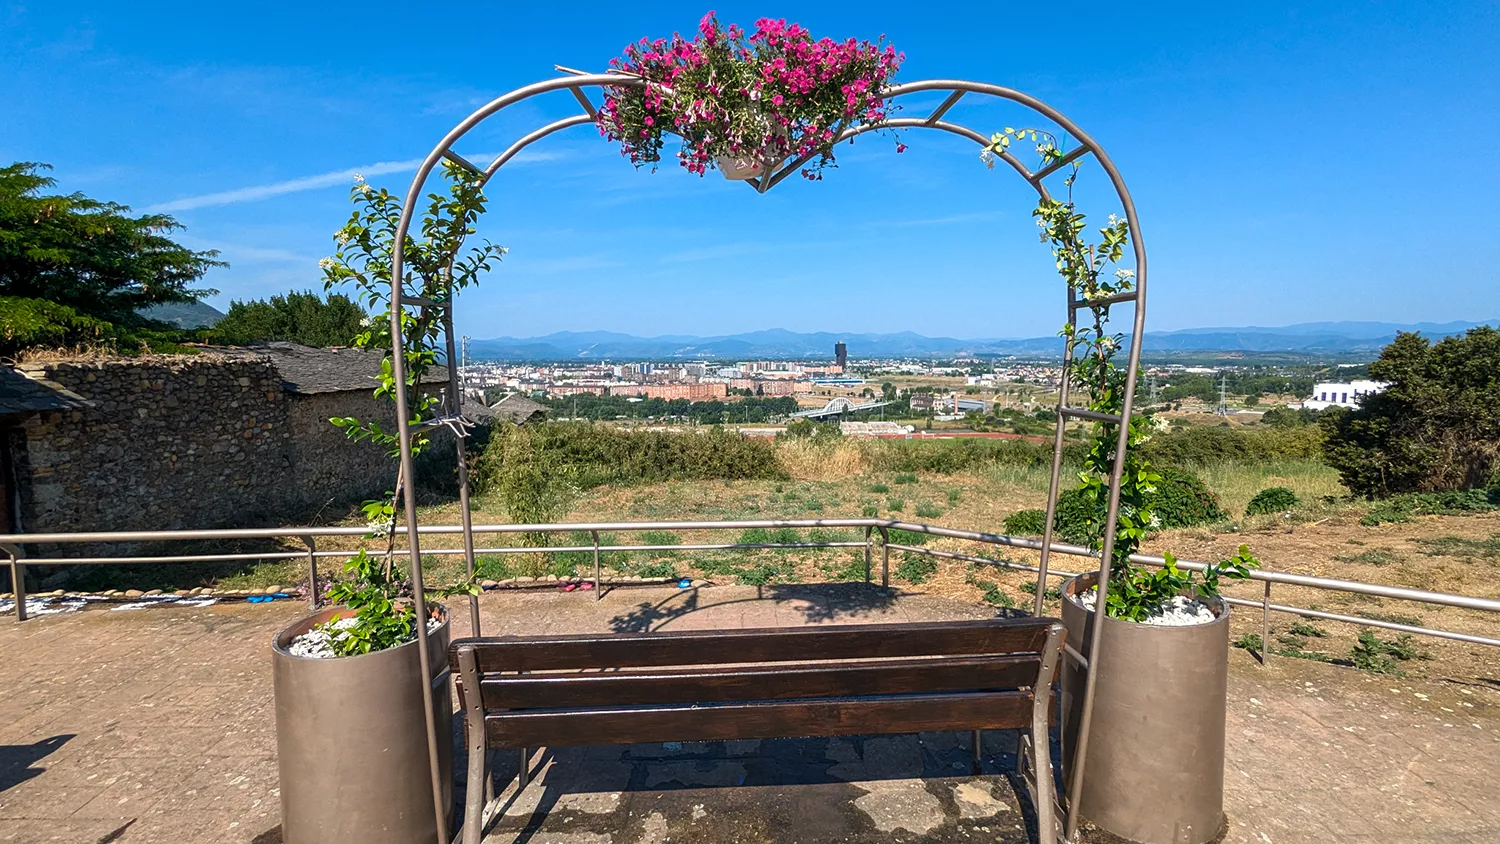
(1092, 271)
(437, 266)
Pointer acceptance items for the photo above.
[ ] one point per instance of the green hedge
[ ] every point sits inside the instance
(945, 457)
(1199, 445)
(587, 455)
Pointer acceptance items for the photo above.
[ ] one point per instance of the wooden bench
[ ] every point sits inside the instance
(832, 680)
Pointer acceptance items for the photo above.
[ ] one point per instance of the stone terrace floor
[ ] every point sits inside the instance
(156, 725)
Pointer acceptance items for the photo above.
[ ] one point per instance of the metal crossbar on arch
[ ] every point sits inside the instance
(578, 84)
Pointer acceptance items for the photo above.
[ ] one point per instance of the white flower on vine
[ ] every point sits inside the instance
(1155, 522)
(1114, 220)
(379, 528)
(341, 237)
(1124, 274)
(325, 264)
(988, 157)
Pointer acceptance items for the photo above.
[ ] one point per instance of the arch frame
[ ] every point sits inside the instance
(576, 83)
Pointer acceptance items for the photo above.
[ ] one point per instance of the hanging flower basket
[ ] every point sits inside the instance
(738, 102)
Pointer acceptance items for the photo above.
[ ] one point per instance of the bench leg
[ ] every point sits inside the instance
(475, 796)
(976, 752)
(479, 788)
(1042, 788)
(1043, 791)
(523, 775)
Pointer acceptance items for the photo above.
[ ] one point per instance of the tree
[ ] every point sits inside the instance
(1436, 426)
(299, 317)
(89, 255)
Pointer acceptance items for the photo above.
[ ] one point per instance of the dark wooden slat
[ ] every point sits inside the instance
(792, 719)
(767, 682)
(713, 647)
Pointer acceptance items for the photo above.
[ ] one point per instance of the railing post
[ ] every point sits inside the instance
(312, 573)
(18, 582)
(1265, 624)
(868, 530)
(598, 583)
(885, 557)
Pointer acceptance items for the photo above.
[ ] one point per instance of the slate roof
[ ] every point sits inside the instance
(22, 394)
(513, 408)
(308, 371)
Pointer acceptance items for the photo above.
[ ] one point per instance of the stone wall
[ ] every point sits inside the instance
(191, 442)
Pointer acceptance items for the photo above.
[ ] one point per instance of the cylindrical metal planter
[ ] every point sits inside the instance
(1155, 768)
(352, 744)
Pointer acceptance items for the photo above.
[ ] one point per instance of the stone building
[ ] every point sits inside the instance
(229, 437)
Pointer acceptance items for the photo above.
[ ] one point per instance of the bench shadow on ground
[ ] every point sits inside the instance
(815, 602)
(604, 789)
(18, 761)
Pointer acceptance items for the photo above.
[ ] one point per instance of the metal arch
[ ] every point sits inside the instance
(956, 90)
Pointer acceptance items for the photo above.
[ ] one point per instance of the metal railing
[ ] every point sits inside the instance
(11, 545)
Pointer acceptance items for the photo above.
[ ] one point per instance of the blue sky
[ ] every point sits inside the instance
(1290, 163)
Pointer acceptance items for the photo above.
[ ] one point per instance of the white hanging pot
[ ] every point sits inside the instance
(740, 169)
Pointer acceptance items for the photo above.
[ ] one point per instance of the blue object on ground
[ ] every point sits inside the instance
(684, 583)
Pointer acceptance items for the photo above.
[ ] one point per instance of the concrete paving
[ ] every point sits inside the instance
(156, 725)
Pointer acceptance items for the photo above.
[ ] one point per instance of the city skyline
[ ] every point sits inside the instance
(1283, 178)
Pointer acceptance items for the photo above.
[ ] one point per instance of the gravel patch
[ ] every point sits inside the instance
(1177, 612)
(317, 643)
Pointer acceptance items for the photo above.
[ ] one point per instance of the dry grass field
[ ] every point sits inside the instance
(1324, 537)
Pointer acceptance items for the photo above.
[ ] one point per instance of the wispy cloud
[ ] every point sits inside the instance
(976, 217)
(322, 180)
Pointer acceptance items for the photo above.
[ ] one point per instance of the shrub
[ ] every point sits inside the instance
(869, 511)
(493, 567)
(1026, 523)
(763, 536)
(1369, 654)
(1052, 593)
(926, 510)
(906, 478)
(1277, 499)
(1435, 426)
(1183, 500)
(661, 569)
(1402, 508)
(907, 537)
(879, 488)
(660, 537)
(895, 504)
(916, 568)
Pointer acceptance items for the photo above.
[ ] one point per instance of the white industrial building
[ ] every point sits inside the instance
(1340, 393)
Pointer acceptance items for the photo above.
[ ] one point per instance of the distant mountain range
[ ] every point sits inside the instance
(1311, 338)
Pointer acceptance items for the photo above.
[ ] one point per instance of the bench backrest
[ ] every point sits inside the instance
(755, 683)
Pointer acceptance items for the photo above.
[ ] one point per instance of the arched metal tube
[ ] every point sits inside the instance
(956, 89)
